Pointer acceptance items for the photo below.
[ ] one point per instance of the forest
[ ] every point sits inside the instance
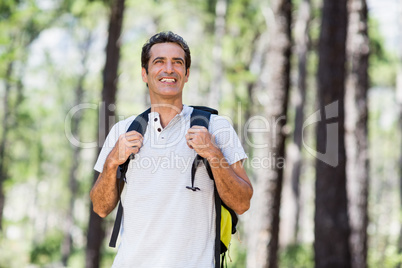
(310, 86)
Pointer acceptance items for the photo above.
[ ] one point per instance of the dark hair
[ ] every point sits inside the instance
(164, 37)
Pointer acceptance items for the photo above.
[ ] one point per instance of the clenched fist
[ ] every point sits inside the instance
(127, 144)
(199, 139)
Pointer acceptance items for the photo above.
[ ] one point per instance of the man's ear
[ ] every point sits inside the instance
(144, 75)
(187, 74)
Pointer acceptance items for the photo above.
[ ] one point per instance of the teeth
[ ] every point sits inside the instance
(169, 80)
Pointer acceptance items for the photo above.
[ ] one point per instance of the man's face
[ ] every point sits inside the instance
(166, 71)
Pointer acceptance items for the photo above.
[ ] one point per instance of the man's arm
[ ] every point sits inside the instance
(104, 193)
(233, 185)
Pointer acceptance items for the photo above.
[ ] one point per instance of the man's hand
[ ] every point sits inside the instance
(234, 186)
(199, 139)
(127, 144)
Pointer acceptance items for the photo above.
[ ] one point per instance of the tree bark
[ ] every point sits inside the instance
(399, 102)
(302, 48)
(356, 113)
(96, 231)
(279, 62)
(331, 246)
(3, 142)
(269, 179)
(215, 90)
(294, 154)
(67, 244)
(256, 236)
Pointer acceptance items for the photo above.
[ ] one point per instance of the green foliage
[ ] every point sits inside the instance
(237, 255)
(388, 258)
(12, 252)
(297, 256)
(242, 41)
(382, 62)
(77, 258)
(48, 250)
(7, 7)
(107, 257)
(384, 204)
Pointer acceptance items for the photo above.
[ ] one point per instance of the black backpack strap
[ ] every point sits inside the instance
(116, 226)
(140, 125)
(217, 227)
(199, 118)
(196, 162)
(205, 108)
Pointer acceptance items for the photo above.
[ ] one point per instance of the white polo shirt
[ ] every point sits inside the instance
(166, 225)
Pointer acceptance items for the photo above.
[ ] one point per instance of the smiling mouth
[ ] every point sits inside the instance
(168, 80)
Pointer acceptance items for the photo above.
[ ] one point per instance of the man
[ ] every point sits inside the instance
(164, 223)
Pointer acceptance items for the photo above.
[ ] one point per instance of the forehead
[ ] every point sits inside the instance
(167, 50)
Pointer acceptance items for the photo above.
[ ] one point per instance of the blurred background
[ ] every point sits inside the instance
(312, 87)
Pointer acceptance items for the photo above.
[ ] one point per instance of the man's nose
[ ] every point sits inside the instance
(169, 67)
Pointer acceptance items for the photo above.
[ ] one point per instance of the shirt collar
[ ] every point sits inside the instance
(186, 111)
(154, 118)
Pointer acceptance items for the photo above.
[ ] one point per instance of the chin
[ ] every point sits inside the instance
(170, 92)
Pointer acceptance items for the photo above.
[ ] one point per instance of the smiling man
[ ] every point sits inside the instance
(165, 224)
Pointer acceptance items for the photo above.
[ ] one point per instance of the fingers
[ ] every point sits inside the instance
(198, 137)
(133, 143)
(127, 144)
(197, 129)
(189, 145)
(132, 138)
(133, 135)
(192, 139)
(189, 139)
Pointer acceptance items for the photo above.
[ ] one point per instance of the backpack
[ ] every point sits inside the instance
(226, 218)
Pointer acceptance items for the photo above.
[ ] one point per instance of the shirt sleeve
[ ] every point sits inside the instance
(227, 139)
(111, 139)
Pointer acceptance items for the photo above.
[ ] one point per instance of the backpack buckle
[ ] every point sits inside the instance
(193, 188)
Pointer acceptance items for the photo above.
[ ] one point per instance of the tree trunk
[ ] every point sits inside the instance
(356, 113)
(279, 64)
(294, 155)
(67, 244)
(269, 178)
(3, 142)
(332, 229)
(96, 231)
(217, 74)
(302, 48)
(257, 219)
(399, 100)
(256, 236)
